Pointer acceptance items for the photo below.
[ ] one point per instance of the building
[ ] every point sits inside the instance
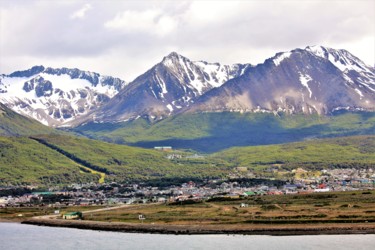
(73, 216)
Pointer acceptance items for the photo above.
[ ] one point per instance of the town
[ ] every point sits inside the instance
(194, 190)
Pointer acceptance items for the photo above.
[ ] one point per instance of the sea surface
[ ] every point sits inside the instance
(18, 236)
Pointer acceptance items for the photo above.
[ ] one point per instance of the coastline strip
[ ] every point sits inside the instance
(274, 230)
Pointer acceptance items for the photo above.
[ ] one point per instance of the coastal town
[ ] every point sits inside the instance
(141, 193)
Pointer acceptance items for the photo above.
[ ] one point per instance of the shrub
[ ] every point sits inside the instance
(269, 207)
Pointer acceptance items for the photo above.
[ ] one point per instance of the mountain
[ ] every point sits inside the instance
(311, 80)
(171, 85)
(56, 96)
(314, 80)
(13, 124)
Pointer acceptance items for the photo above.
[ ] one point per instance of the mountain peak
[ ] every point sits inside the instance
(173, 58)
(54, 96)
(173, 54)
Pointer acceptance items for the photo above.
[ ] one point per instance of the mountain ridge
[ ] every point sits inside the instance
(55, 96)
(298, 81)
(312, 80)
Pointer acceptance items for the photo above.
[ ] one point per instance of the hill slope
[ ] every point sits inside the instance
(13, 124)
(64, 159)
(210, 132)
(344, 152)
(26, 161)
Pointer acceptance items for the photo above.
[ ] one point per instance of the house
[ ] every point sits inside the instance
(319, 190)
(249, 193)
(73, 216)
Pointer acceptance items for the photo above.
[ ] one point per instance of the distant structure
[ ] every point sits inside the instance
(195, 156)
(163, 148)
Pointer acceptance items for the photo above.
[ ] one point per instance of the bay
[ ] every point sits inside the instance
(14, 236)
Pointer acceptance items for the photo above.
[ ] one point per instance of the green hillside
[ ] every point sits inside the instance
(24, 161)
(13, 124)
(344, 152)
(63, 159)
(57, 159)
(212, 132)
(131, 163)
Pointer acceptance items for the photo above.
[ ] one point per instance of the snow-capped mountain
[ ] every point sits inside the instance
(56, 96)
(173, 84)
(311, 80)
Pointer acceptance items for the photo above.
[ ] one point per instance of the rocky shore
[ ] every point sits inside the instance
(246, 229)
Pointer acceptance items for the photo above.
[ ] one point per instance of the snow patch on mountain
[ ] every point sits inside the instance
(169, 106)
(280, 57)
(342, 59)
(359, 93)
(304, 79)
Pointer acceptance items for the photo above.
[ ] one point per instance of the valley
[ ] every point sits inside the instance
(212, 132)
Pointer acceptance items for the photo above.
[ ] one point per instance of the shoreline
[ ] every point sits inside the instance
(242, 229)
(11, 221)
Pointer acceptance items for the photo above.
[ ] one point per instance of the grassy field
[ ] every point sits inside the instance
(339, 207)
(22, 213)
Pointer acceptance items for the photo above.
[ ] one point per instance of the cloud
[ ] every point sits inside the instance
(80, 14)
(151, 21)
(126, 38)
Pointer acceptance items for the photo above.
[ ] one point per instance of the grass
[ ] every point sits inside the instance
(340, 207)
(102, 175)
(21, 213)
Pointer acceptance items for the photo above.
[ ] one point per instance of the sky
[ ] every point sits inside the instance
(126, 38)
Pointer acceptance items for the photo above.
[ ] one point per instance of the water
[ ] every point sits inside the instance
(18, 237)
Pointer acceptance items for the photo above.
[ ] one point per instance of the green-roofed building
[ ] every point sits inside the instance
(249, 193)
(73, 216)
